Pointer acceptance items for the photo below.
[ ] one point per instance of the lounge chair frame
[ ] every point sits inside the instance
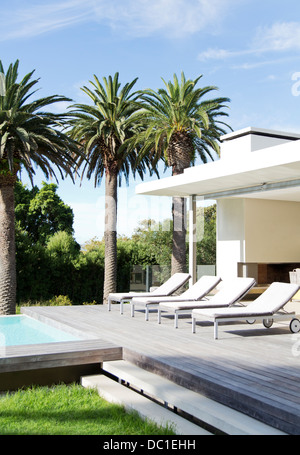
(267, 321)
(190, 306)
(266, 317)
(195, 295)
(128, 296)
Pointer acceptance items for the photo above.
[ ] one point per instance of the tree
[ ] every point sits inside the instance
(33, 268)
(102, 129)
(153, 242)
(206, 248)
(41, 212)
(28, 135)
(180, 125)
(62, 250)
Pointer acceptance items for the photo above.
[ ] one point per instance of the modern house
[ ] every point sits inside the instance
(256, 186)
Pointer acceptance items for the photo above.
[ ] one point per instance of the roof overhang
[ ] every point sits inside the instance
(272, 172)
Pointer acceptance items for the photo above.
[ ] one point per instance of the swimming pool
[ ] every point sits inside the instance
(18, 330)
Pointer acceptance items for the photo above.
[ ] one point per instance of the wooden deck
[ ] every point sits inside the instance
(53, 355)
(49, 363)
(250, 368)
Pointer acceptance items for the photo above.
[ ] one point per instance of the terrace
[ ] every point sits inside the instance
(250, 369)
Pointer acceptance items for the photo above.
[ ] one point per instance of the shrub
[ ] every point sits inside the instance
(59, 300)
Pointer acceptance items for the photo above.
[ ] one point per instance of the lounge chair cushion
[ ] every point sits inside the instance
(171, 285)
(196, 292)
(230, 292)
(267, 304)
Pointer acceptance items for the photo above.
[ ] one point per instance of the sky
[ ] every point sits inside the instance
(248, 49)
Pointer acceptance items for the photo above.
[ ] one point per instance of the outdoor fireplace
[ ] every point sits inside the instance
(266, 273)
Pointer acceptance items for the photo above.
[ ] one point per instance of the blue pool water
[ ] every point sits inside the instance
(21, 329)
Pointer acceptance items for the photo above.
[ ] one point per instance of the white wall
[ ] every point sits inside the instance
(250, 140)
(256, 230)
(272, 231)
(233, 149)
(230, 236)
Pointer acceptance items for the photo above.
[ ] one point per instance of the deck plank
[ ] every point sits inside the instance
(51, 355)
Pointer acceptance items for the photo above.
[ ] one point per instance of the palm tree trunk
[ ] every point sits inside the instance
(179, 156)
(8, 281)
(110, 233)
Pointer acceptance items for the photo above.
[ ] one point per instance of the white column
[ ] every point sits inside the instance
(230, 236)
(192, 240)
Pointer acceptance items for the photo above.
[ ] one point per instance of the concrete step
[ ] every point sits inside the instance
(216, 415)
(115, 392)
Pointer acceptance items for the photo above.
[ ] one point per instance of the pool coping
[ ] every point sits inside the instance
(86, 350)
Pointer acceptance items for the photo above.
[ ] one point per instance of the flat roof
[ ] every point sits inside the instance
(260, 132)
(272, 172)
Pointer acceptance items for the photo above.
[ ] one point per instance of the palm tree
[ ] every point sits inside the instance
(102, 129)
(179, 126)
(28, 135)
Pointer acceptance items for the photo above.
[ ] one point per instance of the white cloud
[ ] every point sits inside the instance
(260, 63)
(169, 17)
(222, 54)
(283, 36)
(36, 19)
(172, 18)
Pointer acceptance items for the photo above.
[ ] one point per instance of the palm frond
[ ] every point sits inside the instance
(179, 111)
(29, 135)
(109, 128)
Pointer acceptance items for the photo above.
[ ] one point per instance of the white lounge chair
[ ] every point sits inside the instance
(169, 287)
(267, 307)
(196, 292)
(231, 291)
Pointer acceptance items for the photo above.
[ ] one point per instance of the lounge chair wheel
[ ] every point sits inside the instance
(268, 323)
(295, 325)
(250, 321)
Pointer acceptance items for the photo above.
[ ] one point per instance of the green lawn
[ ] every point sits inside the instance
(68, 410)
